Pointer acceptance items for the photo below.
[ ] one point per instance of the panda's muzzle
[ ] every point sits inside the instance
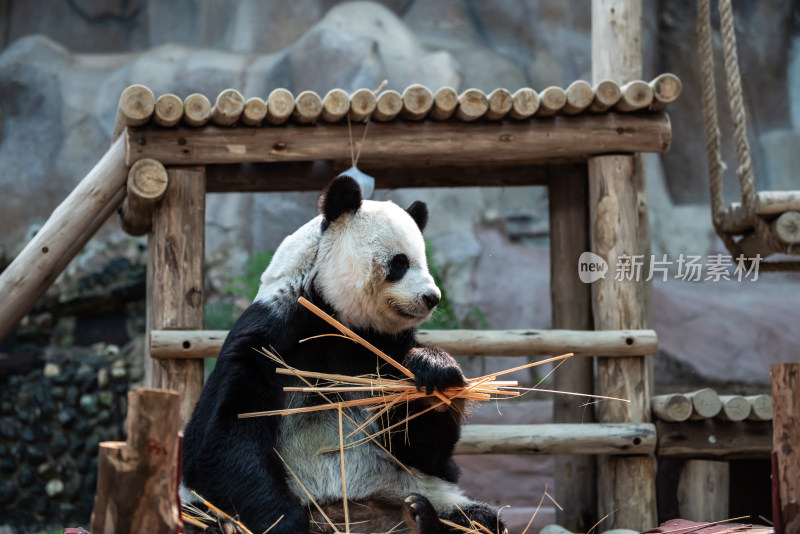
(431, 300)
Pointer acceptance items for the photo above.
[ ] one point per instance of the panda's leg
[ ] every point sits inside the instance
(420, 515)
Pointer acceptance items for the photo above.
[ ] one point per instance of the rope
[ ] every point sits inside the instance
(713, 146)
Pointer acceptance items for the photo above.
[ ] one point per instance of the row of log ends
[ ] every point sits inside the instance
(706, 403)
(139, 106)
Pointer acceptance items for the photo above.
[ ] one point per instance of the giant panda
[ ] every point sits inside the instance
(363, 262)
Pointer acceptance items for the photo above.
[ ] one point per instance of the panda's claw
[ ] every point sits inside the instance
(420, 515)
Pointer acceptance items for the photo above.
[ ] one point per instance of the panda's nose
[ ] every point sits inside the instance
(431, 300)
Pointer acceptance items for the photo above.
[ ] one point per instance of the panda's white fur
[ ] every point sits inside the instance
(348, 261)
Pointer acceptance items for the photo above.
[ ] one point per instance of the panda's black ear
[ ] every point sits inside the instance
(419, 212)
(343, 195)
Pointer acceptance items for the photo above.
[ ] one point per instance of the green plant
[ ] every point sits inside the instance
(246, 284)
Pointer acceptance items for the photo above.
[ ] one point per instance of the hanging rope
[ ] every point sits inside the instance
(713, 144)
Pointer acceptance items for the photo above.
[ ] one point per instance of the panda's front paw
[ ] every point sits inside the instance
(420, 515)
(434, 369)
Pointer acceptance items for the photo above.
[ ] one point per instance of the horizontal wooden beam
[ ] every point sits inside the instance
(714, 439)
(207, 343)
(586, 438)
(315, 176)
(556, 139)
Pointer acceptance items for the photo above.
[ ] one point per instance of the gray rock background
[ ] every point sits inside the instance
(63, 64)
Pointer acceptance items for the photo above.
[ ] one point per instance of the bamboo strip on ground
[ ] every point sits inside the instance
(166, 344)
(307, 107)
(362, 104)
(579, 96)
(135, 107)
(228, 108)
(559, 139)
(588, 438)
(196, 110)
(500, 102)
(335, 105)
(389, 105)
(255, 110)
(472, 105)
(445, 102)
(147, 183)
(280, 106)
(417, 102)
(606, 95)
(168, 110)
(551, 100)
(524, 104)
(64, 234)
(666, 90)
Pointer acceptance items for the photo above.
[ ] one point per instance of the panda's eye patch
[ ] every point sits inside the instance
(398, 266)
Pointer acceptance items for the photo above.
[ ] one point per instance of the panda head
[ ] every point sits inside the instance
(370, 264)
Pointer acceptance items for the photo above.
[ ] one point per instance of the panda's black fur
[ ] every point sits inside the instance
(233, 462)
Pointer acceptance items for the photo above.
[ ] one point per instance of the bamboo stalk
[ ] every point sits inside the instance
(255, 109)
(280, 105)
(445, 102)
(524, 103)
(196, 110)
(472, 105)
(500, 103)
(388, 106)
(168, 110)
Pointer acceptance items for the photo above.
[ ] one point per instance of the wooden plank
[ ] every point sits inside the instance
(410, 143)
(785, 378)
(64, 234)
(714, 439)
(571, 304)
(589, 438)
(618, 225)
(136, 480)
(316, 175)
(703, 490)
(191, 344)
(175, 284)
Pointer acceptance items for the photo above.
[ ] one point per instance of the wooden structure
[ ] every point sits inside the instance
(582, 142)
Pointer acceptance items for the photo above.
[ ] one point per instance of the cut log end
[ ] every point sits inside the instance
(280, 105)
(196, 110)
(168, 110)
(147, 184)
(579, 96)
(307, 107)
(335, 105)
(417, 102)
(666, 89)
(636, 95)
(228, 108)
(255, 109)
(606, 95)
(524, 104)
(136, 106)
(673, 407)
(787, 227)
(500, 102)
(445, 102)
(551, 100)
(472, 105)
(705, 403)
(362, 104)
(388, 106)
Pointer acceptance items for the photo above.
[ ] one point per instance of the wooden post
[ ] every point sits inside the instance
(571, 301)
(785, 378)
(175, 284)
(703, 490)
(617, 202)
(137, 480)
(64, 234)
(147, 183)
